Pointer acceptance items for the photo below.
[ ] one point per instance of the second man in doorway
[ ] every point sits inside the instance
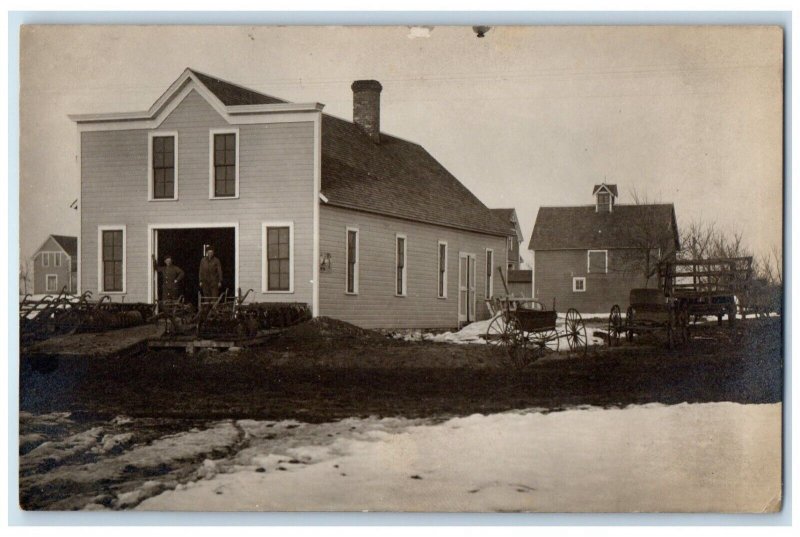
(210, 274)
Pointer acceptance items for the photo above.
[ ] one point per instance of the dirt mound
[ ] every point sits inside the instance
(328, 328)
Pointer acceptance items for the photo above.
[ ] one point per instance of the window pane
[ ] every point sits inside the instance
(219, 141)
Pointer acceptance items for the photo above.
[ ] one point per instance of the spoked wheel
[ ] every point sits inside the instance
(614, 326)
(543, 343)
(575, 332)
(496, 328)
(515, 343)
(629, 317)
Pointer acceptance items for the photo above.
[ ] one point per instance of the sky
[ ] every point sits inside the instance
(525, 117)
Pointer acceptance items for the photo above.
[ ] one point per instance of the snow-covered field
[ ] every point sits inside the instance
(688, 457)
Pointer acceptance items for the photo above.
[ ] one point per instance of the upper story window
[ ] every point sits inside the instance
(45, 259)
(163, 165)
(224, 163)
(57, 259)
(510, 243)
(597, 261)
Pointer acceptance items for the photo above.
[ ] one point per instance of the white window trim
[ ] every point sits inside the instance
(405, 264)
(100, 275)
(47, 281)
(265, 258)
(577, 279)
(211, 134)
(439, 268)
(45, 257)
(347, 231)
(588, 263)
(150, 185)
(56, 259)
(489, 284)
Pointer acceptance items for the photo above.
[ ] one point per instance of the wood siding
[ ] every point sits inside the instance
(375, 305)
(63, 272)
(276, 183)
(554, 270)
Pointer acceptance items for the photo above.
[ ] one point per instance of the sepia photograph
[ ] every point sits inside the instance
(456, 269)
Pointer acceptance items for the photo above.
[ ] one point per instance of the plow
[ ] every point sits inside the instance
(64, 313)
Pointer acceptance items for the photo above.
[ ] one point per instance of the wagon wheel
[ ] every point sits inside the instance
(544, 342)
(614, 326)
(575, 332)
(514, 343)
(629, 318)
(496, 328)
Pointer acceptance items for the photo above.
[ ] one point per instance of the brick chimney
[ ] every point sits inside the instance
(367, 107)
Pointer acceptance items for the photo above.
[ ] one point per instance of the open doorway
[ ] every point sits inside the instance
(187, 246)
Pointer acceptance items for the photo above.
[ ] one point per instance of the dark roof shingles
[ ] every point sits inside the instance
(232, 94)
(582, 227)
(69, 244)
(397, 178)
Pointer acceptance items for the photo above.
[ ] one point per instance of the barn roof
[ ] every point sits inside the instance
(611, 188)
(559, 228)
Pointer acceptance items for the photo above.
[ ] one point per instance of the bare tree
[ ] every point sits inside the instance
(650, 240)
(24, 276)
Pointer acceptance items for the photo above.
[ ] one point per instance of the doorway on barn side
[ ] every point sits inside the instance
(187, 246)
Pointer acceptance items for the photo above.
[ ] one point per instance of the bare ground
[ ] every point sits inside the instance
(328, 370)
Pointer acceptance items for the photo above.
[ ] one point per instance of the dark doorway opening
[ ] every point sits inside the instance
(187, 247)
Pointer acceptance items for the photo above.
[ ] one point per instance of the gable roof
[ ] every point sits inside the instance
(67, 243)
(233, 94)
(509, 216)
(560, 228)
(610, 188)
(396, 178)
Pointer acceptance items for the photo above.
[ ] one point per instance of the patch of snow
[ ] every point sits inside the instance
(53, 453)
(718, 457)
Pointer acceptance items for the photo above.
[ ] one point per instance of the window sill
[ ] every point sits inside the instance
(266, 292)
(348, 293)
(442, 297)
(236, 197)
(163, 199)
(112, 293)
(400, 296)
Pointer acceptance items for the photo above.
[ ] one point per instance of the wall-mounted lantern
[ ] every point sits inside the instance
(325, 262)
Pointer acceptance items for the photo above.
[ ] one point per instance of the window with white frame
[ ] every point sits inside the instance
(45, 259)
(442, 276)
(597, 261)
(163, 156)
(224, 163)
(489, 273)
(578, 284)
(56, 259)
(278, 257)
(401, 269)
(51, 284)
(351, 276)
(112, 260)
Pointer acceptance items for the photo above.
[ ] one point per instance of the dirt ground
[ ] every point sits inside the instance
(328, 370)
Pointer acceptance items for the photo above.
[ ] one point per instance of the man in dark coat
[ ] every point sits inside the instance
(210, 274)
(172, 277)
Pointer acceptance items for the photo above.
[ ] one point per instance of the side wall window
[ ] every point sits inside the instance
(489, 274)
(278, 258)
(442, 277)
(401, 269)
(352, 261)
(597, 261)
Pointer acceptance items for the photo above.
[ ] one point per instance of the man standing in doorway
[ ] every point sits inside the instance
(210, 274)
(173, 276)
